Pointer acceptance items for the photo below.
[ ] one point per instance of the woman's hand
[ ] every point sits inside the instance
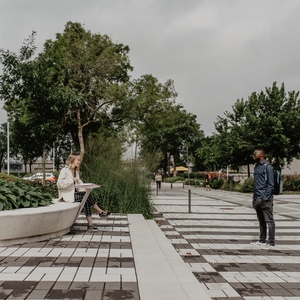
(76, 180)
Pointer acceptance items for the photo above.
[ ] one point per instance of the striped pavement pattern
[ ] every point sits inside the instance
(214, 240)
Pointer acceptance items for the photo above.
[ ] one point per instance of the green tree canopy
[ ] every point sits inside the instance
(267, 119)
(87, 71)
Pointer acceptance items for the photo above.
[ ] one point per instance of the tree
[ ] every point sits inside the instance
(269, 120)
(88, 71)
(28, 99)
(160, 124)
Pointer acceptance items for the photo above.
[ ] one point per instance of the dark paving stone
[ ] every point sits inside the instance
(66, 294)
(121, 245)
(61, 285)
(119, 295)
(25, 285)
(193, 259)
(36, 261)
(210, 278)
(4, 293)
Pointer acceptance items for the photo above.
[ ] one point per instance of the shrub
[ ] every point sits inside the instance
(173, 179)
(193, 182)
(17, 194)
(228, 185)
(247, 186)
(216, 184)
(291, 183)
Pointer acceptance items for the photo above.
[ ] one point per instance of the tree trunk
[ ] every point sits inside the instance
(248, 170)
(80, 135)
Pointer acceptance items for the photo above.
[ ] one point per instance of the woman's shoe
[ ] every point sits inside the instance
(104, 214)
(92, 228)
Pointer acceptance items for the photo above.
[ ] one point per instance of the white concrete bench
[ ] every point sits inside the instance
(36, 224)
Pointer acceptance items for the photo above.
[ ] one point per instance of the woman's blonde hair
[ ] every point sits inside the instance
(70, 161)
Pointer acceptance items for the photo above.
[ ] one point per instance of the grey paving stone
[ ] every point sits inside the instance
(61, 285)
(44, 285)
(38, 294)
(113, 286)
(87, 286)
(278, 292)
(129, 286)
(93, 295)
(295, 292)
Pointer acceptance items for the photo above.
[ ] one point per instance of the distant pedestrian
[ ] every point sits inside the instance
(158, 180)
(263, 199)
(207, 179)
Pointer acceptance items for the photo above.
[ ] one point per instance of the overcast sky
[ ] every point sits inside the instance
(216, 51)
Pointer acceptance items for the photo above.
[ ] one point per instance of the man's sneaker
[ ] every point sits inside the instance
(258, 243)
(268, 247)
(104, 214)
(92, 228)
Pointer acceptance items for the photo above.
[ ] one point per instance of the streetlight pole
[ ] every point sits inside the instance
(187, 160)
(8, 159)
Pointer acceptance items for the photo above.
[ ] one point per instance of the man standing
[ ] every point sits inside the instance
(263, 199)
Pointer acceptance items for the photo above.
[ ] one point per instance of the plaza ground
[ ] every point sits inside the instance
(202, 254)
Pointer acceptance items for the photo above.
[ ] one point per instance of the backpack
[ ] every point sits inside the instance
(277, 180)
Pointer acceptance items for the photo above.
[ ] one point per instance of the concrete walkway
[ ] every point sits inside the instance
(205, 254)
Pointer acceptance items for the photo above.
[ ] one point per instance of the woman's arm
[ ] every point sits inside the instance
(65, 179)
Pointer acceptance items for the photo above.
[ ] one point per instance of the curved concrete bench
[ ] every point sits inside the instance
(36, 224)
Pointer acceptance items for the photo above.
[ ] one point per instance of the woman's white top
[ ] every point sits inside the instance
(65, 184)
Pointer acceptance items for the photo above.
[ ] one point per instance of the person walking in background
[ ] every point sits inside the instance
(207, 178)
(66, 184)
(263, 199)
(158, 180)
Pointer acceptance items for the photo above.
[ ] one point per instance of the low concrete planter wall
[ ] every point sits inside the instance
(36, 224)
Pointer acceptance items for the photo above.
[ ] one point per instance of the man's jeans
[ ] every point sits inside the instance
(264, 211)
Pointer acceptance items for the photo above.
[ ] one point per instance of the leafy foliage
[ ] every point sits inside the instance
(268, 120)
(124, 187)
(247, 186)
(291, 183)
(14, 195)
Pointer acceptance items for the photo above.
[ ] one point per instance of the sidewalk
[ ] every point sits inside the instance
(205, 254)
(214, 241)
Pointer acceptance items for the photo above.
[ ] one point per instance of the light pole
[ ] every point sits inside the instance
(187, 162)
(8, 159)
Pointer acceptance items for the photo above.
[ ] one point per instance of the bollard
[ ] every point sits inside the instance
(189, 193)
(195, 184)
(230, 185)
(183, 184)
(171, 185)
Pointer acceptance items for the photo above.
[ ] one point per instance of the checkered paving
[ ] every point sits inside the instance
(79, 265)
(214, 241)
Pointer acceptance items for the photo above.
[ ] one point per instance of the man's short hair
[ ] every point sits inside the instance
(261, 149)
